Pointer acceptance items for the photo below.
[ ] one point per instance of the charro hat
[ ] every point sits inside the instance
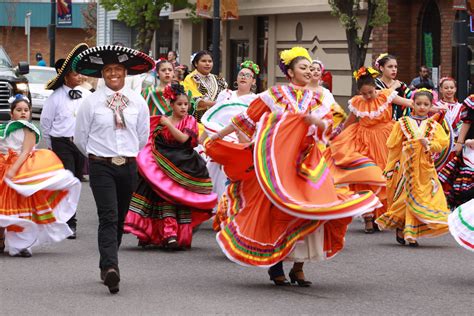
(92, 61)
(63, 66)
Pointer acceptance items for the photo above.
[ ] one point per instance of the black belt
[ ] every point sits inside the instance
(71, 139)
(116, 161)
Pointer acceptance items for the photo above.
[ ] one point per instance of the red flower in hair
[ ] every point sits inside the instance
(168, 93)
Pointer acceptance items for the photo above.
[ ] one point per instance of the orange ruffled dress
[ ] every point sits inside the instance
(35, 204)
(416, 201)
(359, 154)
(281, 188)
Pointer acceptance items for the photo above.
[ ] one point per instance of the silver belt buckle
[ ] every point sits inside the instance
(118, 161)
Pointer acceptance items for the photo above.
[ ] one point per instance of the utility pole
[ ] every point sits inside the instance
(216, 37)
(52, 34)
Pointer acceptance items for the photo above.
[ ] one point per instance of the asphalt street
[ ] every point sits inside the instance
(372, 275)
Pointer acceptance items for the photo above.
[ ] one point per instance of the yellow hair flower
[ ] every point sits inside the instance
(363, 71)
(288, 55)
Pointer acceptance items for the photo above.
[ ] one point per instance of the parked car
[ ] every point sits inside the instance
(12, 81)
(38, 77)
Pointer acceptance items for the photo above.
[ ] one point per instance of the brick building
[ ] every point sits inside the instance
(420, 33)
(12, 29)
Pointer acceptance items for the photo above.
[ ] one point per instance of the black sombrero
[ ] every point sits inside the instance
(92, 61)
(63, 66)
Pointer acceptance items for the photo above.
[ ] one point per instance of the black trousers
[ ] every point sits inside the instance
(112, 187)
(72, 159)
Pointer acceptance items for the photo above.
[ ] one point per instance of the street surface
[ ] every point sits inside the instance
(372, 275)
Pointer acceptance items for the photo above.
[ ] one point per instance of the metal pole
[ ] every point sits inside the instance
(216, 32)
(461, 39)
(52, 34)
(28, 33)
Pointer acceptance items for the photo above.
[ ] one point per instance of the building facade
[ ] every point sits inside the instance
(420, 33)
(265, 28)
(14, 40)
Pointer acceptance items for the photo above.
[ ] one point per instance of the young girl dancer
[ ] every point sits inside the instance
(37, 195)
(387, 65)
(360, 151)
(153, 96)
(338, 114)
(458, 175)
(174, 192)
(281, 189)
(416, 203)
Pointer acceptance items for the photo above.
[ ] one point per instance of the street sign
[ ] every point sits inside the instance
(64, 11)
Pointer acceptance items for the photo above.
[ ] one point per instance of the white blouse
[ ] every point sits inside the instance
(14, 141)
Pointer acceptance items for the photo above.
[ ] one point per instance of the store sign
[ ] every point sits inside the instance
(64, 11)
(229, 9)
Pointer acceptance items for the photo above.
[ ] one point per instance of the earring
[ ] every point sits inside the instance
(253, 88)
(236, 84)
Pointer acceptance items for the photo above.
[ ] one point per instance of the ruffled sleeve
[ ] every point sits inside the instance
(10, 127)
(190, 127)
(467, 115)
(373, 108)
(394, 145)
(246, 122)
(439, 140)
(191, 86)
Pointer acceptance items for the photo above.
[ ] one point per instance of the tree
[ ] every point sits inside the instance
(143, 15)
(349, 13)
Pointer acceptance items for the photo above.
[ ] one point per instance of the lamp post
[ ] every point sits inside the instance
(216, 34)
(52, 34)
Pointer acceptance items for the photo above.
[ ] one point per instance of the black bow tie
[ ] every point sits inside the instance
(75, 94)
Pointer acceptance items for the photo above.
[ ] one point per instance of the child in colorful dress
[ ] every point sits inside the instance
(458, 175)
(338, 114)
(37, 195)
(359, 152)
(416, 203)
(387, 65)
(174, 192)
(153, 96)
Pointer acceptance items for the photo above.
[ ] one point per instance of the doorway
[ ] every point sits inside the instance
(430, 35)
(239, 52)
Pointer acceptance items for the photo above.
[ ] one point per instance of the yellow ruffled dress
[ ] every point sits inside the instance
(416, 201)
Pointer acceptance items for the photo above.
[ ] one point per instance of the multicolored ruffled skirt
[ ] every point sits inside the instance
(36, 204)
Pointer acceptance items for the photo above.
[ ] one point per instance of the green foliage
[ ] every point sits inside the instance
(349, 12)
(143, 15)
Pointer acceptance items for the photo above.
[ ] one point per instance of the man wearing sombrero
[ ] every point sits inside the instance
(58, 117)
(113, 124)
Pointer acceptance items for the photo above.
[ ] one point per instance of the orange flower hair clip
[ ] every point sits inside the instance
(363, 71)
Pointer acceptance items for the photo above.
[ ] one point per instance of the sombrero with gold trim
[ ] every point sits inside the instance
(63, 66)
(92, 61)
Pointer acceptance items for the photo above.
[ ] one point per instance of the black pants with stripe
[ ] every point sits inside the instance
(112, 187)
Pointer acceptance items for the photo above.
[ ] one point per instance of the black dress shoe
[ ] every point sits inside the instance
(73, 236)
(301, 282)
(278, 282)
(24, 253)
(112, 280)
(400, 240)
(413, 244)
(172, 243)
